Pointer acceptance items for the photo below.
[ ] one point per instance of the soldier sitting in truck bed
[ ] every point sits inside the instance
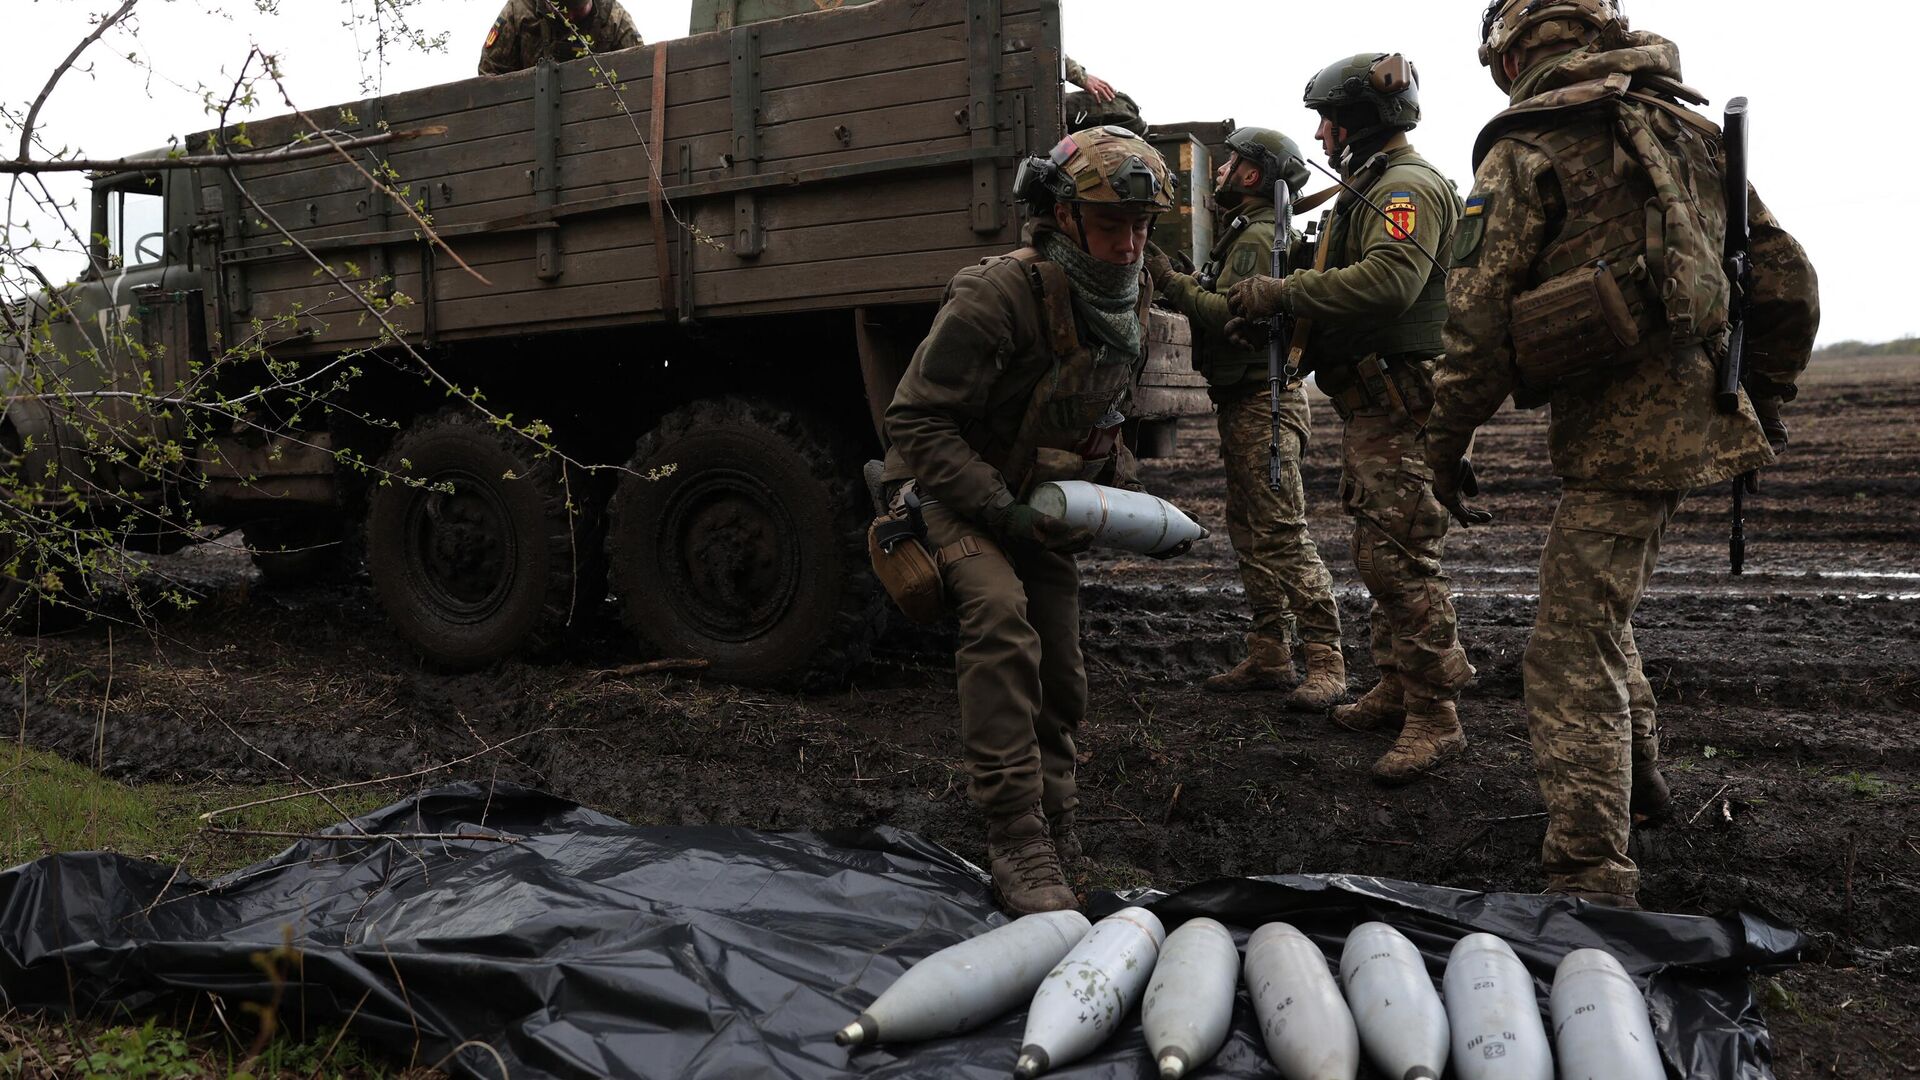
(529, 31)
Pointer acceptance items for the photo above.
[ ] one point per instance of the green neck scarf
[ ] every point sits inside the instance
(1107, 296)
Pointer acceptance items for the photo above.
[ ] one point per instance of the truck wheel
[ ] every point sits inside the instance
(478, 546)
(298, 550)
(738, 537)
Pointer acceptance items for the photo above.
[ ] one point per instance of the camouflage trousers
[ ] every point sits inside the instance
(1399, 532)
(1589, 706)
(1022, 681)
(1286, 582)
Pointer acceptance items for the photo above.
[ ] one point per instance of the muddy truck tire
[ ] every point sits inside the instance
(738, 537)
(502, 564)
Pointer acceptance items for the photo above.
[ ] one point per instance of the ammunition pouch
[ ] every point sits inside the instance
(1395, 384)
(1575, 324)
(907, 569)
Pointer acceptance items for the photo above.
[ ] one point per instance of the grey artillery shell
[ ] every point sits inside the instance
(1600, 1025)
(1189, 1003)
(1083, 1000)
(1308, 1031)
(1402, 1023)
(1497, 1034)
(966, 985)
(1124, 520)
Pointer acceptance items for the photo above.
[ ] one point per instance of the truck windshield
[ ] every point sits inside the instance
(136, 226)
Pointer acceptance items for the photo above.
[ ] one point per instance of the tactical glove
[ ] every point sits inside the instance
(1256, 297)
(1159, 267)
(1173, 552)
(1018, 523)
(1250, 334)
(1454, 483)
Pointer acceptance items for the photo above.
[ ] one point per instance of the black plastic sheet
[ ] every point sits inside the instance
(588, 947)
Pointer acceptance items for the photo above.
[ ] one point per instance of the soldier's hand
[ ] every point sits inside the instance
(1250, 334)
(1454, 483)
(1173, 552)
(1101, 89)
(1159, 267)
(1022, 524)
(1255, 297)
(1772, 423)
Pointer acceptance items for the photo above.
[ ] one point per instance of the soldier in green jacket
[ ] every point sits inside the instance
(1634, 425)
(1285, 580)
(1022, 380)
(529, 31)
(1376, 309)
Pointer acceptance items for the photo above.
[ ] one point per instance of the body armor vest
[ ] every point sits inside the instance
(1071, 425)
(1336, 349)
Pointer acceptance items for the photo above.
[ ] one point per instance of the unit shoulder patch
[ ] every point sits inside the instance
(1472, 230)
(1246, 261)
(493, 36)
(1403, 215)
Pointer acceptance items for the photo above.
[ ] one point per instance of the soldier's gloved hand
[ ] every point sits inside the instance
(1772, 423)
(1159, 267)
(1173, 552)
(1256, 297)
(1018, 523)
(1250, 334)
(1454, 483)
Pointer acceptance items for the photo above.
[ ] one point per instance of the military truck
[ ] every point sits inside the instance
(701, 265)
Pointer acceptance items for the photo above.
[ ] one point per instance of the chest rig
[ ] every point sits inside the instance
(1071, 425)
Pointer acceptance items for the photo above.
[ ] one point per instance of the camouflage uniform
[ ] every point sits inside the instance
(1377, 310)
(1629, 441)
(1287, 584)
(529, 31)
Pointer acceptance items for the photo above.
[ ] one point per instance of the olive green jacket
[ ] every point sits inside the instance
(1226, 364)
(1650, 425)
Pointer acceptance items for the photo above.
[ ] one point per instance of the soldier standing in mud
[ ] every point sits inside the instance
(1377, 308)
(1020, 381)
(1598, 202)
(529, 31)
(1285, 581)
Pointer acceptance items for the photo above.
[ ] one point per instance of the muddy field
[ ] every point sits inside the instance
(1789, 699)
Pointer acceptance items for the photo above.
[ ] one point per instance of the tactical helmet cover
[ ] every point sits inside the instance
(1277, 157)
(1106, 166)
(1368, 93)
(1506, 22)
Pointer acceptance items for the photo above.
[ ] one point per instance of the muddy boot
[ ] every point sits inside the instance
(1380, 707)
(1651, 800)
(1066, 840)
(1025, 868)
(1326, 681)
(1430, 736)
(1267, 667)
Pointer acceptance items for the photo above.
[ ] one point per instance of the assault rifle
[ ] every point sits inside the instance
(1279, 372)
(1739, 266)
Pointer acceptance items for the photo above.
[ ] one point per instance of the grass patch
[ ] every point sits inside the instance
(38, 1049)
(51, 805)
(1862, 786)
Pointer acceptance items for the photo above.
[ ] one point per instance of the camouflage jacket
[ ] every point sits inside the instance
(529, 31)
(1651, 424)
(1225, 364)
(966, 393)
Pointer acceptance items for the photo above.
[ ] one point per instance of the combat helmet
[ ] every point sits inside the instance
(1276, 156)
(1106, 166)
(1368, 94)
(1508, 23)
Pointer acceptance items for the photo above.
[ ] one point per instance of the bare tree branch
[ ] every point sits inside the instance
(106, 24)
(290, 152)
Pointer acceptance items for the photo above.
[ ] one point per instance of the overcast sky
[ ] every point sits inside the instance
(1828, 155)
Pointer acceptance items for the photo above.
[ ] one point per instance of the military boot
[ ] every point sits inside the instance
(1326, 681)
(1651, 799)
(1025, 867)
(1267, 667)
(1066, 839)
(1379, 707)
(1430, 736)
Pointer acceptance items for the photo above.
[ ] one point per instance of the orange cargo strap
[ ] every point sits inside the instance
(656, 199)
